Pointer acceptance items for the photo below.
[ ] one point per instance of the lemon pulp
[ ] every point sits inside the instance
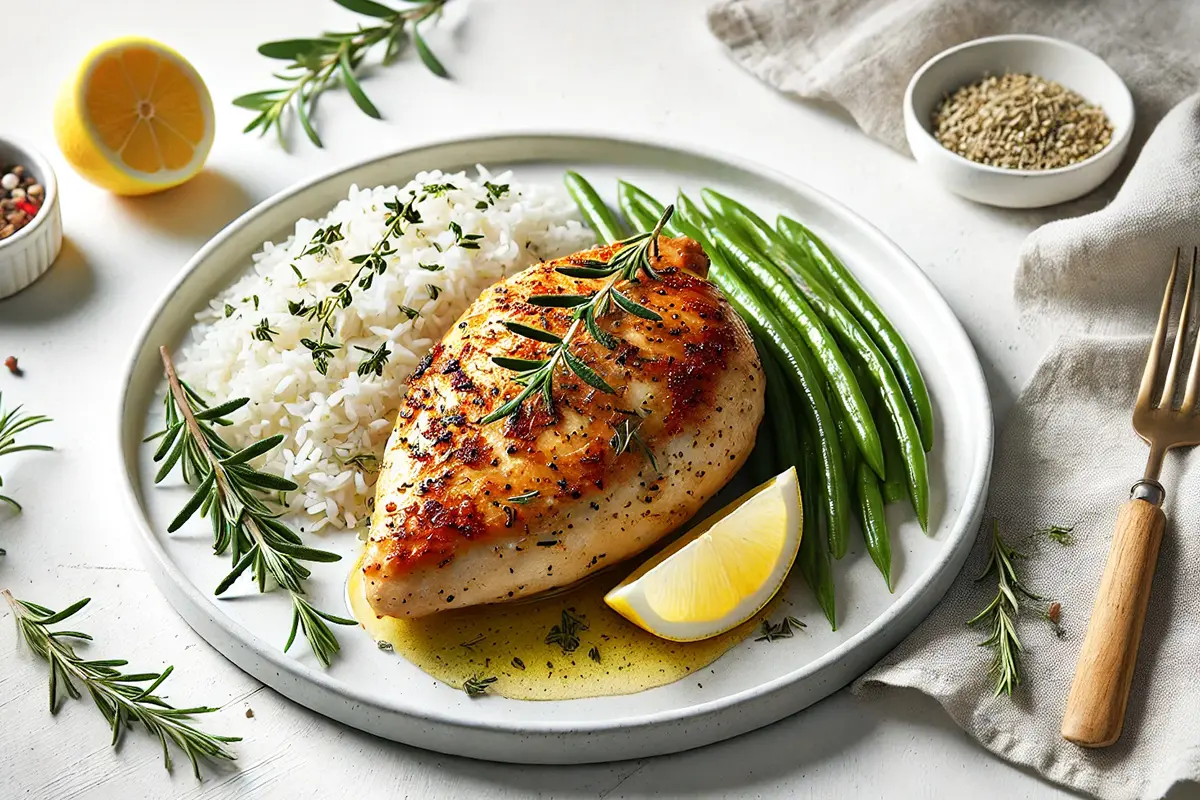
(135, 117)
(721, 573)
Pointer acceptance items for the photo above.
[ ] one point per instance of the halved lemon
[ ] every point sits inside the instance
(135, 118)
(722, 572)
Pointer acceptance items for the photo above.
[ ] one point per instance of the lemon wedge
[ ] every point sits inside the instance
(722, 572)
(135, 117)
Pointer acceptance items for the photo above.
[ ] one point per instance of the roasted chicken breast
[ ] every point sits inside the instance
(468, 513)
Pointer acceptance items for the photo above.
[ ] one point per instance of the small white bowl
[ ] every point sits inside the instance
(29, 252)
(1068, 64)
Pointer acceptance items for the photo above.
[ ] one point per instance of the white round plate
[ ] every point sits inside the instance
(752, 685)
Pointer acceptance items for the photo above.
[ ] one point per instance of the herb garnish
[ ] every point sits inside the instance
(318, 244)
(470, 644)
(626, 434)
(369, 264)
(1063, 534)
(118, 696)
(476, 686)
(627, 265)
(375, 360)
(367, 462)
(594, 654)
(518, 663)
(240, 502)
(335, 58)
(1000, 616)
(566, 633)
(524, 499)
(12, 423)
(781, 630)
(263, 332)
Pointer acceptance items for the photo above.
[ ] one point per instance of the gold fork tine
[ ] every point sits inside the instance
(1160, 336)
(1193, 384)
(1185, 314)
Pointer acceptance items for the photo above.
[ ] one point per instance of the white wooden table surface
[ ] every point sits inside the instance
(621, 66)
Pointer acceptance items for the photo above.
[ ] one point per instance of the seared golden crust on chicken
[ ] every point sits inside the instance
(467, 513)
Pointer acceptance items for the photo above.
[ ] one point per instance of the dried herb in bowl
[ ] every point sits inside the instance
(1017, 121)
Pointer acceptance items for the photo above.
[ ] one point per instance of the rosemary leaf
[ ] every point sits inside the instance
(241, 504)
(13, 423)
(631, 262)
(117, 695)
(999, 617)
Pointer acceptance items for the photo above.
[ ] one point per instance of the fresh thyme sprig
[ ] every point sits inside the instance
(1000, 616)
(238, 500)
(628, 265)
(13, 422)
(333, 58)
(118, 695)
(370, 265)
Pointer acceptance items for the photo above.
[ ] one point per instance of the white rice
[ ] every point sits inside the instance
(329, 419)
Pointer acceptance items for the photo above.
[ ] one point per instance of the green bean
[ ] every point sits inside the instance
(813, 557)
(764, 458)
(873, 521)
(793, 307)
(800, 369)
(636, 207)
(837, 548)
(873, 319)
(782, 256)
(894, 486)
(596, 214)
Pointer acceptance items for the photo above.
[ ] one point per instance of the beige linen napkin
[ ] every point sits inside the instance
(1067, 455)
(860, 54)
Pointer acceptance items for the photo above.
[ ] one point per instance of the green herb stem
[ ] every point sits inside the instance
(332, 58)
(123, 698)
(238, 499)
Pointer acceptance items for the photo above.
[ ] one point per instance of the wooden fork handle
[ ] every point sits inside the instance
(1096, 704)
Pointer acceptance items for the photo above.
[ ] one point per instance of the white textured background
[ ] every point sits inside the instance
(619, 65)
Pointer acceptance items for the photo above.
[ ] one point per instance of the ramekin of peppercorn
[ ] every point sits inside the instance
(1018, 121)
(30, 220)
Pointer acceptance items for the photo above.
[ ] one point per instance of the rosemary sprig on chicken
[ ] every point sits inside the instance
(627, 265)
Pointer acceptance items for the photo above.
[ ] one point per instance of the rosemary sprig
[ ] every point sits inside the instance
(118, 695)
(13, 422)
(334, 58)
(239, 501)
(629, 264)
(370, 265)
(1000, 615)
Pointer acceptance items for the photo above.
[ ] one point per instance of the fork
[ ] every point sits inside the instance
(1096, 704)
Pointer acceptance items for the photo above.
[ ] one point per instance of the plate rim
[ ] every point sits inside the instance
(190, 601)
